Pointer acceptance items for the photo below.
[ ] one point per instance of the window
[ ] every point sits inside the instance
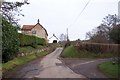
(33, 32)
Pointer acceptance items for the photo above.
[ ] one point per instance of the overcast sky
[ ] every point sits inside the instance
(58, 15)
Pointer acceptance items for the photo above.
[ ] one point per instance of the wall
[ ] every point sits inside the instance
(40, 32)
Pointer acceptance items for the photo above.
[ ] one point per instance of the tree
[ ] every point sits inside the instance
(110, 20)
(91, 34)
(115, 34)
(63, 37)
(10, 9)
(101, 33)
(10, 44)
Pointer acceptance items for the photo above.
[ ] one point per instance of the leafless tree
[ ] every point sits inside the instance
(10, 9)
(101, 33)
(63, 37)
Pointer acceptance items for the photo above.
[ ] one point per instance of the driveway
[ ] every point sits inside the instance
(48, 67)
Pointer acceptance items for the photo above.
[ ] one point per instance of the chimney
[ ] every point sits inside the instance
(38, 21)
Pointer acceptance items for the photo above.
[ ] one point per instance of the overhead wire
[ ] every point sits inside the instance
(80, 13)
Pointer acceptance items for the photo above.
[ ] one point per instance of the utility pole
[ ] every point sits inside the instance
(67, 35)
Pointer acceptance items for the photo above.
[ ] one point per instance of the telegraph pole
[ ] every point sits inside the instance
(67, 35)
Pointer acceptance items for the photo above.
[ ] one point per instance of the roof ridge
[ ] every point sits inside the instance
(30, 27)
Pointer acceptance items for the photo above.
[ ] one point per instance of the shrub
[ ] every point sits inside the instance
(40, 41)
(99, 47)
(29, 40)
(115, 34)
(10, 44)
(68, 43)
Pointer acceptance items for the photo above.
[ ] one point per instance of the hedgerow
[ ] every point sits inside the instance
(99, 47)
(10, 43)
(29, 40)
(12, 40)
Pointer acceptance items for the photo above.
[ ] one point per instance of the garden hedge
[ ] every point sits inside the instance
(29, 40)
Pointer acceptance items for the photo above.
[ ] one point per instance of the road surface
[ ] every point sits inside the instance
(86, 67)
(48, 67)
(52, 67)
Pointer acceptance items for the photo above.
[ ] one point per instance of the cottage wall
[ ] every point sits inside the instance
(37, 31)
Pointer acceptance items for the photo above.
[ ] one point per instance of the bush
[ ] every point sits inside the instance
(99, 47)
(10, 44)
(115, 34)
(68, 43)
(40, 41)
(29, 40)
(74, 52)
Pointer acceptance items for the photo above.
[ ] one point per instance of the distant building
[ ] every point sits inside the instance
(36, 30)
(53, 38)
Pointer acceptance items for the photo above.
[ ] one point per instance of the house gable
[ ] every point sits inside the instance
(39, 31)
(36, 30)
(30, 27)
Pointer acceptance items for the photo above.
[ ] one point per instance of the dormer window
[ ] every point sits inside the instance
(33, 32)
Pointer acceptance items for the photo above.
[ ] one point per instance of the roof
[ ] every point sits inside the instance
(27, 27)
(30, 27)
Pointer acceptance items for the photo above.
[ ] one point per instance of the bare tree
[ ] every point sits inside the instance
(10, 9)
(63, 37)
(110, 20)
(101, 33)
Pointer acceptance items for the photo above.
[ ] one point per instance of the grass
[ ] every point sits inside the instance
(28, 49)
(109, 69)
(72, 52)
(0, 70)
(10, 65)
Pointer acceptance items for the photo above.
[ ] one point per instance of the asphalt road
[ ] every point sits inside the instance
(52, 67)
(48, 67)
(86, 67)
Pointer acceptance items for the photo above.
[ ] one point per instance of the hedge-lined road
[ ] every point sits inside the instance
(52, 67)
(49, 67)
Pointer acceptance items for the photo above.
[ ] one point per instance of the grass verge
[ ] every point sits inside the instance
(28, 49)
(10, 65)
(72, 52)
(109, 69)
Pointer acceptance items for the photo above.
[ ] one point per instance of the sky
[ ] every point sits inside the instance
(58, 15)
